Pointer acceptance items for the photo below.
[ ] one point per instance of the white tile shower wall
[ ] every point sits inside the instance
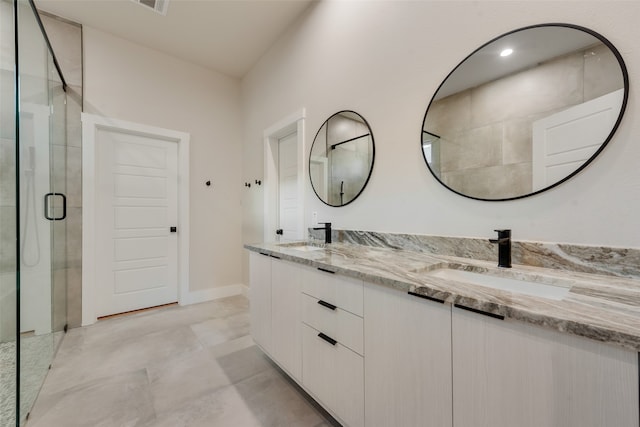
(390, 82)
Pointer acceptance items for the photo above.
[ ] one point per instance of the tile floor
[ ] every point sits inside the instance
(175, 367)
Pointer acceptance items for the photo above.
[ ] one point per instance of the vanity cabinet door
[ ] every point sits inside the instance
(507, 373)
(285, 311)
(334, 375)
(408, 360)
(260, 299)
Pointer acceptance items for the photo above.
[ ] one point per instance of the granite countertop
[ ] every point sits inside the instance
(600, 307)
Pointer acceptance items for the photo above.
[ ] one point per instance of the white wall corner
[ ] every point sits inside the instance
(195, 297)
(245, 290)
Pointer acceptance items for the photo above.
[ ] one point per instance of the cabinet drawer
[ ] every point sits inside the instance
(342, 326)
(335, 376)
(343, 292)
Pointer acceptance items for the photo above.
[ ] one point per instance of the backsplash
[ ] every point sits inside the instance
(622, 262)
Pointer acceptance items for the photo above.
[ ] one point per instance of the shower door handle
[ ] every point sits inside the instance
(46, 207)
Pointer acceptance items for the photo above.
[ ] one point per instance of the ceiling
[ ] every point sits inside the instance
(223, 35)
(530, 48)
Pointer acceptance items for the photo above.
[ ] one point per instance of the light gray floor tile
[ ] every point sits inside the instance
(100, 361)
(183, 379)
(222, 408)
(171, 367)
(231, 346)
(244, 363)
(216, 331)
(120, 400)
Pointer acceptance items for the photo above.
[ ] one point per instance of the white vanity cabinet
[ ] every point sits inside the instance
(286, 338)
(260, 299)
(332, 344)
(378, 357)
(408, 359)
(509, 373)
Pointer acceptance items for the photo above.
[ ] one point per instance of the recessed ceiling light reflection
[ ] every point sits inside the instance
(506, 52)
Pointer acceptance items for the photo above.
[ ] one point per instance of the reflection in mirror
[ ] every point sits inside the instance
(525, 112)
(341, 158)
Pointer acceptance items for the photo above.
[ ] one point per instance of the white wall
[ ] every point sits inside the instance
(126, 81)
(385, 59)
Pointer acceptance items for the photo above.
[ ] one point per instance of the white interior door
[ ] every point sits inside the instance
(288, 201)
(136, 204)
(565, 140)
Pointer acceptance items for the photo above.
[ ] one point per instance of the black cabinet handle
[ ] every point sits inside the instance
(46, 206)
(484, 313)
(326, 304)
(263, 254)
(327, 338)
(326, 271)
(425, 297)
(273, 256)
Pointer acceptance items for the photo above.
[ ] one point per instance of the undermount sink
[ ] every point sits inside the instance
(306, 248)
(531, 287)
(301, 246)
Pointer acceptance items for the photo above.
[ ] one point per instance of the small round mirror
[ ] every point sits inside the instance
(525, 112)
(341, 158)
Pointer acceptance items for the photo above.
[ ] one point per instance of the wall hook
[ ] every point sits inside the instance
(247, 184)
(208, 183)
(258, 182)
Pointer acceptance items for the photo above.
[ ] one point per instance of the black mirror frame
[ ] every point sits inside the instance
(373, 157)
(625, 77)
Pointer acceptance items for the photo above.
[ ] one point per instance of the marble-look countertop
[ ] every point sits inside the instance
(603, 308)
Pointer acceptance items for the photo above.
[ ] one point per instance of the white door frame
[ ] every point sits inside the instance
(294, 122)
(90, 124)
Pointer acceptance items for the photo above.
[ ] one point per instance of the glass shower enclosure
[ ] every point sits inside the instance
(32, 208)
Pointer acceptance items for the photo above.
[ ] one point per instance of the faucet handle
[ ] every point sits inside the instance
(325, 223)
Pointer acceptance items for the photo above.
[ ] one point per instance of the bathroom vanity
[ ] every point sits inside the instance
(392, 337)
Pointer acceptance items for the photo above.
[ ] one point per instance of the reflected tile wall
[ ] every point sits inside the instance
(490, 126)
(494, 182)
(601, 72)
(556, 84)
(479, 147)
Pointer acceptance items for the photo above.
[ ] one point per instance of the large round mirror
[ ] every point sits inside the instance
(341, 158)
(525, 112)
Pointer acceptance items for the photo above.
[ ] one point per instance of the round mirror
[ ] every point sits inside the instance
(525, 112)
(341, 158)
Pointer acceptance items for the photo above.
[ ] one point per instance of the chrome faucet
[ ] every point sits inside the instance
(504, 248)
(327, 231)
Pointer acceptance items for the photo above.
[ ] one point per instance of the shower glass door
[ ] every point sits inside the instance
(8, 209)
(42, 207)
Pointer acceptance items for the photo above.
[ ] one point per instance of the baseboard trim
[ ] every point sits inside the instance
(194, 297)
(244, 289)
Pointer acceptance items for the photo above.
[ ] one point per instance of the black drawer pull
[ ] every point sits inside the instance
(327, 339)
(273, 256)
(425, 297)
(263, 254)
(326, 304)
(484, 313)
(326, 271)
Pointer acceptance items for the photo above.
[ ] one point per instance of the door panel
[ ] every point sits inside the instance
(136, 206)
(288, 202)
